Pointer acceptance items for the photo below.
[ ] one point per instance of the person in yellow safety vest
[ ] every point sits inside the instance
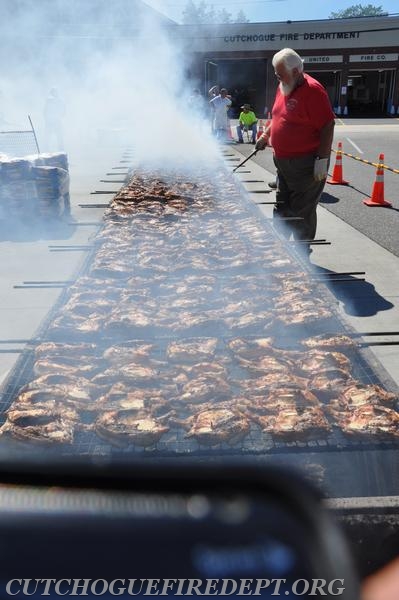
(247, 121)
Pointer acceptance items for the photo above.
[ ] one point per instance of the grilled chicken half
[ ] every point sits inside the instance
(217, 424)
(123, 427)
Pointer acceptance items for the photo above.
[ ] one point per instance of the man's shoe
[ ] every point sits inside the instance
(272, 184)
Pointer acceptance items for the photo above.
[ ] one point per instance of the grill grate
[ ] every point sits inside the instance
(240, 221)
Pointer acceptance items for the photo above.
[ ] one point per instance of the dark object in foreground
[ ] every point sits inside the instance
(270, 522)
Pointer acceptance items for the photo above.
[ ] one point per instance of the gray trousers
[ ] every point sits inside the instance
(297, 195)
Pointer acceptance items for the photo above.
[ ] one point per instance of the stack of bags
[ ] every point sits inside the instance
(34, 187)
(17, 194)
(52, 188)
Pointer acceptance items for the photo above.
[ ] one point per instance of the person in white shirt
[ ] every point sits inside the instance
(221, 105)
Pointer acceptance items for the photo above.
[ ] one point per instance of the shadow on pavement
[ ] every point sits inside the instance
(359, 298)
(23, 231)
(327, 198)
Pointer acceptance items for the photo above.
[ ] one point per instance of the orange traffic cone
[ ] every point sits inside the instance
(337, 176)
(377, 195)
(260, 129)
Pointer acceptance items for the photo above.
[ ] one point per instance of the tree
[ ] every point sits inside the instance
(359, 10)
(223, 16)
(195, 14)
(241, 17)
(200, 13)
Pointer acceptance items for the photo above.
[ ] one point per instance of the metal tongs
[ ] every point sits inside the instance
(245, 160)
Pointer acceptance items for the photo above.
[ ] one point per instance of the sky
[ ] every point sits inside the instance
(274, 10)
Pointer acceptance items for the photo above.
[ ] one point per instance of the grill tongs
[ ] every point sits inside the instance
(245, 160)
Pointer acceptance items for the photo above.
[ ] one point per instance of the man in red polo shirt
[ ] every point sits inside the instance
(301, 133)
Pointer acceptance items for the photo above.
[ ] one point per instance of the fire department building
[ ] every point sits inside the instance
(357, 60)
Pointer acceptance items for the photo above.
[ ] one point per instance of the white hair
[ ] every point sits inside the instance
(290, 58)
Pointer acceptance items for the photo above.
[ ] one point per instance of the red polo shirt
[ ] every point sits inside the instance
(298, 118)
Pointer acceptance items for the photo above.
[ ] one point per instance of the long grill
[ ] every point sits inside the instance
(184, 260)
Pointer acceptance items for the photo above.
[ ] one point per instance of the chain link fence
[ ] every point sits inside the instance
(19, 143)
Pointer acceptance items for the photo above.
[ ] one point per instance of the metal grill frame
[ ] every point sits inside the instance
(366, 368)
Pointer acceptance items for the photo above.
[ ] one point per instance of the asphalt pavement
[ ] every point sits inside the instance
(364, 139)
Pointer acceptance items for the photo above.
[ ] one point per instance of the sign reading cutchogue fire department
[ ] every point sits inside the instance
(372, 57)
(336, 35)
(323, 59)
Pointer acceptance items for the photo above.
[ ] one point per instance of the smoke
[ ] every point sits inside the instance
(118, 70)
